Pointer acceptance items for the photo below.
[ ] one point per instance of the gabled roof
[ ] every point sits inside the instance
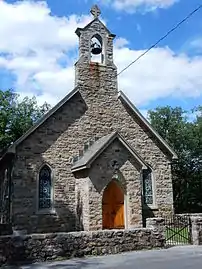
(43, 119)
(99, 146)
(123, 97)
(79, 30)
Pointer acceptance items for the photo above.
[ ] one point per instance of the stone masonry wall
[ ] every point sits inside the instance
(94, 111)
(128, 179)
(58, 140)
(45, 247)
(82, 204)
(196, 230)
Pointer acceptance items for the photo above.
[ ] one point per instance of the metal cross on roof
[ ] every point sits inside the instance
(95, 11)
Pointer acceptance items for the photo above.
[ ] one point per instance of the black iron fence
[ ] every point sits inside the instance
(178, 230)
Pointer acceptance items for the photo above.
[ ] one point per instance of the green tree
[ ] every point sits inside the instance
(16, 116)
(185, 136)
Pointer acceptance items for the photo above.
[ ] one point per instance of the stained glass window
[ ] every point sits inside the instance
(147, 187)
(45, 201)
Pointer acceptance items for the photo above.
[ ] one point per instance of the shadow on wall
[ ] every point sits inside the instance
(68, 215)
(31, 221)
(103, 169)
(146, 213)
(79, 213)
(64, 219)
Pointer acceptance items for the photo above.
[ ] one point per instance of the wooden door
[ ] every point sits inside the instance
(113, 207)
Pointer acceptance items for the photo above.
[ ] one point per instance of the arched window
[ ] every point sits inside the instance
(97, 49)
(148, 196)
(45, 188)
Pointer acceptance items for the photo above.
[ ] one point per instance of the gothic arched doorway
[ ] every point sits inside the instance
(113, 207)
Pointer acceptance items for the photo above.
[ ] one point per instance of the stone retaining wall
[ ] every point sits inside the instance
(196, 230)
(190, 214)
(43, 247)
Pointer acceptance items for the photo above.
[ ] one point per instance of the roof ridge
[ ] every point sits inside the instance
(147, 124)
(99, 146)
(12, 147)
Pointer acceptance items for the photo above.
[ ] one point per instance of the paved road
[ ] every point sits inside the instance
(186, 257)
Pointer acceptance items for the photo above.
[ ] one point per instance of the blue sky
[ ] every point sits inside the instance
(39, 48)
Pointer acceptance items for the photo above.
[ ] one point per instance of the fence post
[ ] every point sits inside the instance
(157, 224)
(196, 230)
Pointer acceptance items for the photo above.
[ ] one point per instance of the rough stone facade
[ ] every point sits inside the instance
(94, 110)
(46, 247)
(91, 188)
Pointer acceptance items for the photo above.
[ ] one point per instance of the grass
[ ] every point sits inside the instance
(177, 235)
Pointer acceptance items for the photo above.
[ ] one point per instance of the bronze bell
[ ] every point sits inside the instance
(96, 48)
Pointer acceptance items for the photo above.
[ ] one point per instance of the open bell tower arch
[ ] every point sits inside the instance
(95, 40)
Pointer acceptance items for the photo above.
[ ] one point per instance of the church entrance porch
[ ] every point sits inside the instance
(109, 192)
(113, 207)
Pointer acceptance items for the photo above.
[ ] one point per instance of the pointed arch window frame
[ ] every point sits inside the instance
(97, 35)
(152, 205)
(51, 209)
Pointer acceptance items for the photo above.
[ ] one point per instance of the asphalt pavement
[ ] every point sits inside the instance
(180, 257)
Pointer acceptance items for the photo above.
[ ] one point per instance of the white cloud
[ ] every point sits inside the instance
(39, 49)
(28, 27)
(121, 42)
(132, 6)
(34, 43)
(159, 74)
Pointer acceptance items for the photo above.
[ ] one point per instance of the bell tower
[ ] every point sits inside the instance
(95, 66)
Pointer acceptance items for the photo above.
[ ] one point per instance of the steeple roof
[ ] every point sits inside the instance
(95, 11)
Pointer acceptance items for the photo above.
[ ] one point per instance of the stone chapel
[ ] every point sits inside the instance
(93, 161)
